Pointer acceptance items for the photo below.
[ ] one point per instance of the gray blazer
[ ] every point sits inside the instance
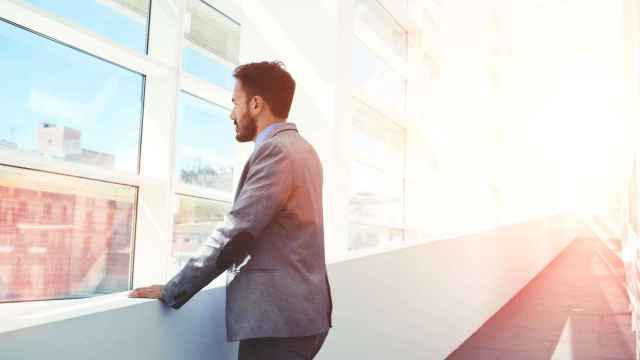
(281, 289)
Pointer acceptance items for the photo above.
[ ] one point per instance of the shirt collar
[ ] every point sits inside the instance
(264, 134)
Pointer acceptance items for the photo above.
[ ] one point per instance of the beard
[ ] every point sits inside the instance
(246, 130)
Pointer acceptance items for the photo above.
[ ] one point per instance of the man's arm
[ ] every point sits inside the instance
(200, 270)
(264, 192)
(196, 274)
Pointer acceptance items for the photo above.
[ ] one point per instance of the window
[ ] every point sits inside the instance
(110, 218)
(121, 21)
(87, 243)
(88, 220)
(212, 44)
(205, 135)
(371, 75)
(46, 211)
(378, 140)
(44, 239)
(74, 154)
(204, 144)
(64, 218)
(372, 17)
(379, 54)
(194, 221)
(84, 269)
(62, 105)
(23, 210)
(376, 203)
(376, 196)
(11, 216)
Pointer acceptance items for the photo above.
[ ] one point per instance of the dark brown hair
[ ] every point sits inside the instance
(271, 81)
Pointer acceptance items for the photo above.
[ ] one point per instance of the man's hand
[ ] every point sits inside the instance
(149, 292)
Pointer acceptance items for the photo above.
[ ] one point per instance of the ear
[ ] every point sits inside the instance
(256, 105)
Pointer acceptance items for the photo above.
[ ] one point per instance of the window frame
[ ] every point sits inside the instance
(163, 80)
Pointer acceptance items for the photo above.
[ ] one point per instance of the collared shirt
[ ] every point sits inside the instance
(264, 134)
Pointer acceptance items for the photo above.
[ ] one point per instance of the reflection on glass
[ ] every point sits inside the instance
(212, 44)
(122, 21)
(372, 75)
(205, 144)
(61, 104)
(371, 14)
(193, 223)
(367, 236)
(63, 237)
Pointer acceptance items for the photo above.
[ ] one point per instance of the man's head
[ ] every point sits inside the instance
(262, 95)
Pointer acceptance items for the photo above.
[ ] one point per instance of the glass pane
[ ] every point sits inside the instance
(377, 169)
(371, 74)
(376, 18)
(63, 237)
(212, 45)
(64, 105)
(193, 223)
(377, 141)
(376, 197)
(122, 21)
(362, 236)
(205, 144)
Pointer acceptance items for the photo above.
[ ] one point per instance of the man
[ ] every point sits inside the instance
(272, 240)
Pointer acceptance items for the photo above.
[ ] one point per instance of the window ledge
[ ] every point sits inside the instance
(20, 315)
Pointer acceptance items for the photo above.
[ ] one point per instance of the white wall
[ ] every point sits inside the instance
(140, 330)
(423, 302)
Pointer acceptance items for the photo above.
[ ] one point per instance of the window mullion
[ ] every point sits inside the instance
(156, 200)
(205, 90)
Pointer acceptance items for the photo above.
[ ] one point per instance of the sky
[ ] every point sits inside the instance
(47, 81)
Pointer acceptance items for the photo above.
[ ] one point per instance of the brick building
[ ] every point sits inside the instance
(56, 245)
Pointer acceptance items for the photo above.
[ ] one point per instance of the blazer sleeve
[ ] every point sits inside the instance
(200, 270)
(265, 191)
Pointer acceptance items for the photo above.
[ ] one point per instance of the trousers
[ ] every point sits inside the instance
(288, 348)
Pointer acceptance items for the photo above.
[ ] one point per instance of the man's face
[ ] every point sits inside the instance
(246, 124)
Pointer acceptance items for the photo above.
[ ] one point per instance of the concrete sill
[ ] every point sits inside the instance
(15, 316)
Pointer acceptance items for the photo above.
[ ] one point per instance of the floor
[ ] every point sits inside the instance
(574, 309)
